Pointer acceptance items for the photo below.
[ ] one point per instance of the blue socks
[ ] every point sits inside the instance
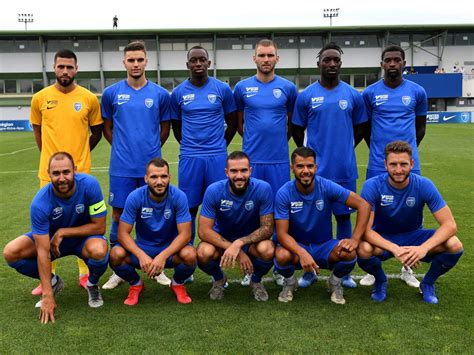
(440, 265)
(343, 268)
(182, 272)
(286, 271)
(213, 269)
(128, 273)
(373, 266)
(28, 267)
(113, 238)
(97, 269)
(260, 268)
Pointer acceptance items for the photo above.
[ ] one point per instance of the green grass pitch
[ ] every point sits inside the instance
(238, 324)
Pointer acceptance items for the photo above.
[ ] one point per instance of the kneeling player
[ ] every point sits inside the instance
(396, 224)
(235, 226)
(67, 218)
(161, 217)
(304, 229)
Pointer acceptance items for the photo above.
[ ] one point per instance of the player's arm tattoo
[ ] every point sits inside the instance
(96, 135)
(264, 232)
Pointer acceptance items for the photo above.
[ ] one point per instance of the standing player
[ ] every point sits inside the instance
(333, 114)
(396, 224)
(397, 110)
(265, 104)
(162, 222)
(67, 218)
(61, 116)
(136, 124)
(204, 123)
(304, 229)
(235, 225)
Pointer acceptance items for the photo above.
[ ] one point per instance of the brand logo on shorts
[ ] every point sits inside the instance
(249, 205)
(406, 100)
(57, 213)
(212, 98)
(317, 101)
(410, 201)
(167, 213)
(296, 206)
(386, 200)
(187, 99)
(77, 106)
(320, 205)
(343, 104)
(147, 212)
(148, 103)
(381, 99)
(80, 208)
(226, 205)
(277, 93)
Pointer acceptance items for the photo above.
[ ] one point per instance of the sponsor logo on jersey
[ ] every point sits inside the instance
(386, 200)
(296, 206)
(406, 100)
(167, 213)
(148, 103)
(381, 99)
(226, 205)
(57, 213)
(212, 98)
(410, 201)
(251, 91)
(122, 99)
(249, 205)
(277, 93)
(317, 101)
(80, 208)
(187, 99)
(51, 104)
(77, 106)
(343, 104)
(147, 212)
(320, 205)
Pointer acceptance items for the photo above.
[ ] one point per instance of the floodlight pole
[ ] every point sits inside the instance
(26, 18)
(330, 13)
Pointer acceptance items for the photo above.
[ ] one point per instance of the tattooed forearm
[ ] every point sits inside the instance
(264, 232)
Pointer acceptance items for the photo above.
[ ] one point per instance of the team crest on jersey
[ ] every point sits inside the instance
(410, 201)
(277, 93)
(148, 103)
(249, 205)
(226, 205)
(167, 213)
(80, 208)
(320, 205)
(317, 101)
(147, 212)
(77, 106)
(251, 91)
(57, 213)
(343, 104)
(212, 98)
(296, 206)
(187, 99)
(406, 100)
(386, 200)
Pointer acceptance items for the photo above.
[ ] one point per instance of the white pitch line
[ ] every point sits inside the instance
(17, 151)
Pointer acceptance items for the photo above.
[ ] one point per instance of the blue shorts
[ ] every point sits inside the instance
(121, 187)
(275, 174)
(195, 174)
(414, 238)
(341, 208)
(70, 246)
(371, 173)
(320, 253)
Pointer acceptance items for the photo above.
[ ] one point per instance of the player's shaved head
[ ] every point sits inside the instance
(61, 156)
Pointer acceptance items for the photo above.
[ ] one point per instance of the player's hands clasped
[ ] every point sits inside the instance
(230, 255)
(157, 265)
(413, 255)
(348, 245)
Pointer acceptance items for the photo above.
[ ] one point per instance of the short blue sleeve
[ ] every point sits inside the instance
(238, 98)
(266, 197)
(292, 95)
(175, 108)
(300, 113)
(39, 219)
(209, 203)
(282, 202)
(181, 208)
(165, 106)
(421, 108)
(132, 208)
(359, 113)
(433, 198)
(228, 100)
(106, 104)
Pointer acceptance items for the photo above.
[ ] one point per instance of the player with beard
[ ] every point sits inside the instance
(333, 114)
(61, 116)
(67, 218)
(160, 214)
(134, 141)
(235, 226)
(304, 228)
(204, 123)
(397, 110)
(396, 229)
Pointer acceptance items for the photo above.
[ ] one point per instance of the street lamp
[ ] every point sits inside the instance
(330, 13)
(26, 18)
